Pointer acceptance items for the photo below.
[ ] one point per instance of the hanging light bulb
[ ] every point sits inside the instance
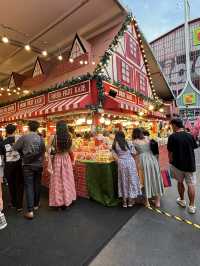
(8, 90)
(27, 47)
(26, 91)
(86, 62)
(71, 60)
(18, 93)
(161, 110)
(9, 94)
(89, 121)
(151, 107)
(14, 91)
(81, 62)
(93, 63)
(2, 89)
(60, 58)
(5, 39)
(0, 94)
(19, 89)
(44, 53)
(102, 120)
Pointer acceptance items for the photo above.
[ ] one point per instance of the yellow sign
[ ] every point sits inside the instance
(189, 98)
(196, 36)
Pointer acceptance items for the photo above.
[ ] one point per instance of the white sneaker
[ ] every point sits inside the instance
(192, 209)
(181, 202)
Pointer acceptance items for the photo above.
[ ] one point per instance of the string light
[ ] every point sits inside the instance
(44, 53)
(8, 90)
(86, 62)
(71, 60)
(26, 91)
(9, 94)
(19, 89)
(93, 63)
(14, 91)
(5, 39)
(81, 62)
(2, 89)
(27, 47)
(60, 58)
(0, 94)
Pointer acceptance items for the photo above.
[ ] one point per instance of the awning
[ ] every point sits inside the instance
(24, 113)
(116, 104)
(78, 102)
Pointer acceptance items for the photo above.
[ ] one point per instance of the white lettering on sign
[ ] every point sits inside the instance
(32, 102)
(8, 109)
(80, 89)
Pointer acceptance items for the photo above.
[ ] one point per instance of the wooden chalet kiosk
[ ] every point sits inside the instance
(105, 78)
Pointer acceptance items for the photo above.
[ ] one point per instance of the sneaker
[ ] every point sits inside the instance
(29, 215)
(181, 202)
(192, 209)
(3, 222)
(36, 208)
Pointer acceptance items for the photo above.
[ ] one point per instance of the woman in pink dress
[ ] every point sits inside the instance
(62, 186)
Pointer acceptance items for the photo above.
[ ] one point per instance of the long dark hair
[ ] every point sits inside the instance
(137, 134)
(63, 138)
(121, 140)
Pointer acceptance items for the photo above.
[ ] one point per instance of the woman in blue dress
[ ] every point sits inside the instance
(128, 180)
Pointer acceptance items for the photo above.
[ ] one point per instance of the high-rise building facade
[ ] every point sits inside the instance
(170, 52)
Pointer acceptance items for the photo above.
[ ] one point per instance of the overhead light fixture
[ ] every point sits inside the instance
(161, 110)
(2, 89)
(151, 108)
(0, 94)
(14, 91)
(27, 47)
(9, 94)
(86, 62)
(19, 89)
(26, 91)
(71, 60)
(141, 113)
(93, 63)
(81, 62)
(18, 93)
(8, 90)
(60, 58)
(44, 53)
(5, 39)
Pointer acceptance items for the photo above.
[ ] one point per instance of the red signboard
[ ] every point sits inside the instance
(125, 95)
(76, 90)
(40, 100)
(8, 109)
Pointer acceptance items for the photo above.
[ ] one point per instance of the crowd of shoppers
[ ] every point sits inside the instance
(139, 173)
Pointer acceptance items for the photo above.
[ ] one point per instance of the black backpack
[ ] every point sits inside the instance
(154, 147)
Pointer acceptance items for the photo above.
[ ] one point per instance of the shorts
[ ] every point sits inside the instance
(180, 176)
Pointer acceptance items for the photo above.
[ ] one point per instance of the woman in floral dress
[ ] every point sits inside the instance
(128, 180)
(62, 186)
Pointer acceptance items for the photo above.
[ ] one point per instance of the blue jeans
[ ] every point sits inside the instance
(32, 184)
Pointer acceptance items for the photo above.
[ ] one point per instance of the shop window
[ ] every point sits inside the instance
(133, 50)
(125, 72)
(143, 84)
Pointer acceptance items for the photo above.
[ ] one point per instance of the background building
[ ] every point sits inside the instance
(170, 52)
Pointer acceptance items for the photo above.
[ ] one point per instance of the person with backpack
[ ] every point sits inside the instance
(128, 179)
(32, 148)
(149, 166)
(13, 168)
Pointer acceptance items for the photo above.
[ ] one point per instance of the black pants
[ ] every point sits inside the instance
(14, 175)
(32, 183)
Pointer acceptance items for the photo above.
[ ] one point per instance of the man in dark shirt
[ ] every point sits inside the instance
(181, 147)
(13, 168)
(32, 148)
